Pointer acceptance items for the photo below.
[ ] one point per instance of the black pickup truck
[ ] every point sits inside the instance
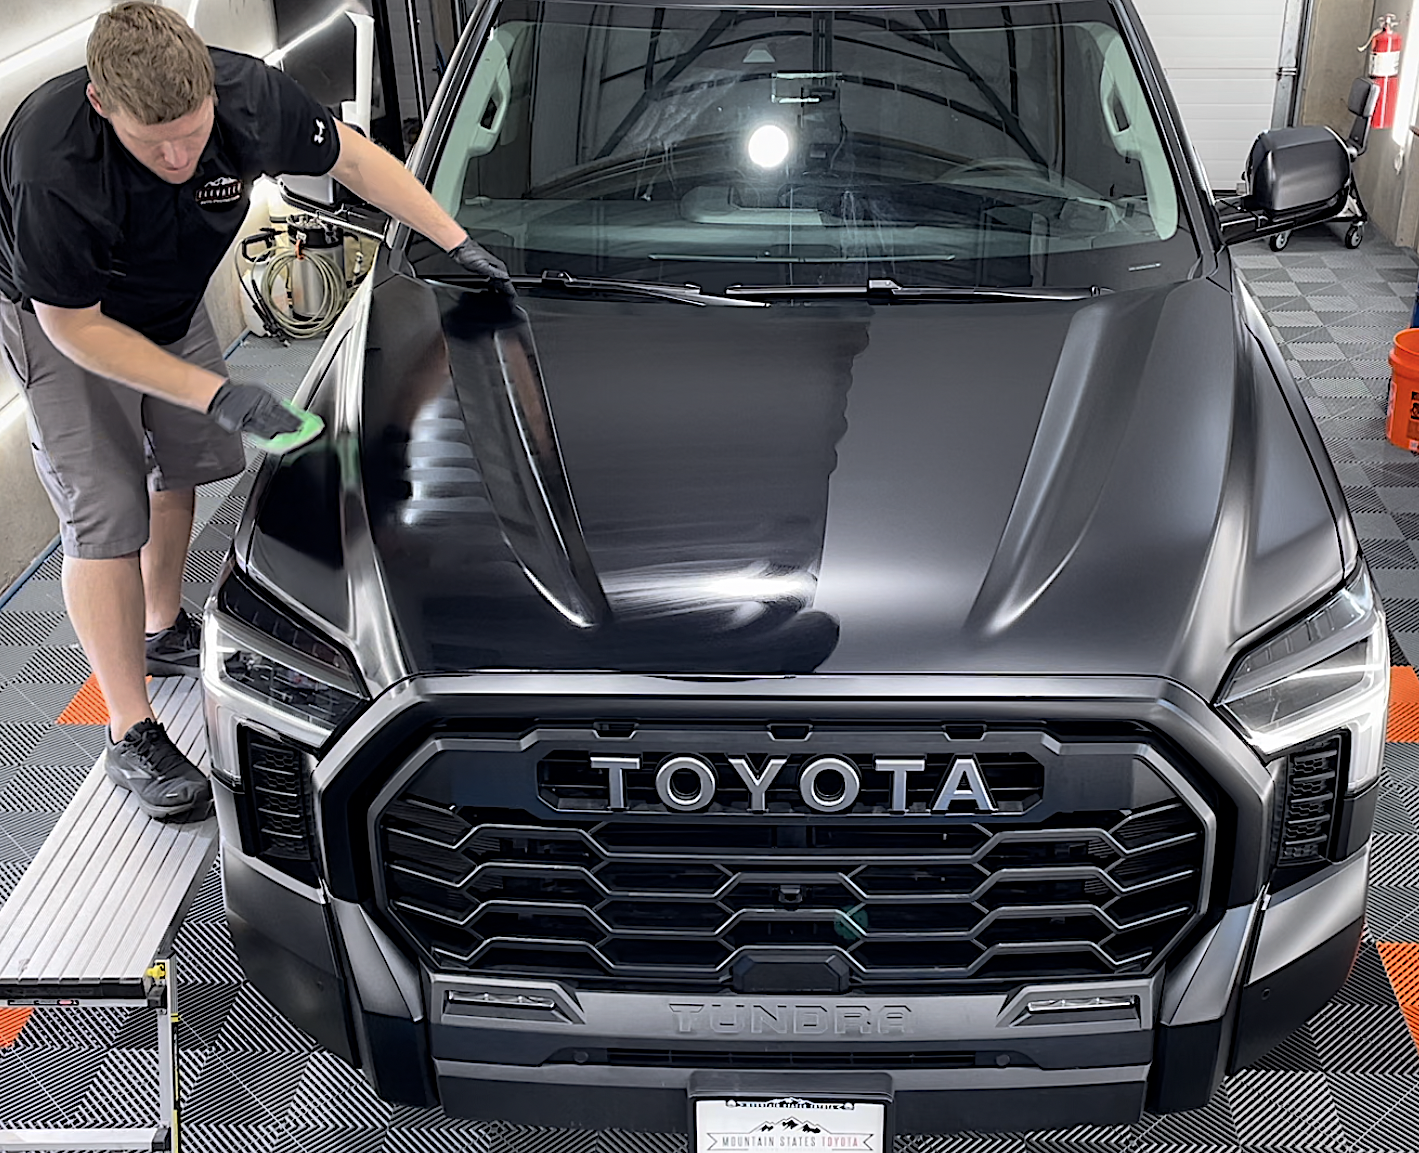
(868, 640)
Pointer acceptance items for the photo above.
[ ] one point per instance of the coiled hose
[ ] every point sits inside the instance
(333, 294)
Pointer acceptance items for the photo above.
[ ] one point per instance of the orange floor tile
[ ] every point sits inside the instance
(87, 707)
(1403, 704)
(1401, 961)
(11, 1022)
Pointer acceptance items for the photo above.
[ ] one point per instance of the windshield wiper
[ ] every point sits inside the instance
(891, 290)
(684, 293)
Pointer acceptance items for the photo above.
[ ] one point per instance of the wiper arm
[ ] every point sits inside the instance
(684, 293)
(891, 290)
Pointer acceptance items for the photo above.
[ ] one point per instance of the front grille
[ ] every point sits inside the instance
(1314, 774)
(653, 900)
(279, 814)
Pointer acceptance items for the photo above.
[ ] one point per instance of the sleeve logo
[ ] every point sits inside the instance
(319, 137)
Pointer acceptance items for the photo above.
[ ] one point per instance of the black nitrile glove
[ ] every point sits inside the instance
(251, 409)
(478, 260)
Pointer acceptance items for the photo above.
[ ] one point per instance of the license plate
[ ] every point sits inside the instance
(792, 1123)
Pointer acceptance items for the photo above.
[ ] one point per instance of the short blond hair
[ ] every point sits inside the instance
(147, 60)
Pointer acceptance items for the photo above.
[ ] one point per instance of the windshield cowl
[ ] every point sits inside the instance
(890, 290)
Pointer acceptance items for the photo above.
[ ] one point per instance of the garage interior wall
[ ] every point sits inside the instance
(1337, 29)
(40, 39)
(1221, 60)
(1388, 174)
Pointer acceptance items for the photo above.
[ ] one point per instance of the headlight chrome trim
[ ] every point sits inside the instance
(225, 637)
(1328, 671)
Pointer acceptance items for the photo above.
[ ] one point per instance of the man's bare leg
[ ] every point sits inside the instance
(105, 602)
(165, 554)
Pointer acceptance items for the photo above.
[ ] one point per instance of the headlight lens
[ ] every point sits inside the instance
(259, 650)
(1327, 672)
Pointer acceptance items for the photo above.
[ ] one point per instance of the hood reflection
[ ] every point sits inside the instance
(684, 575)
(497, 379)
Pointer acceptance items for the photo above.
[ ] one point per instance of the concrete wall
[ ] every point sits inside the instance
(1388, 174)
(1332, 64)
(40, 39)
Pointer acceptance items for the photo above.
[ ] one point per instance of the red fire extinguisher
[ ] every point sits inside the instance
(1383, 69)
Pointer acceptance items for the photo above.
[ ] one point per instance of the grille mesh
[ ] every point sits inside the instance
(672, 902)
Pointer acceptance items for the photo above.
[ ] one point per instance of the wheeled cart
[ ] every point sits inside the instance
(1361, 104)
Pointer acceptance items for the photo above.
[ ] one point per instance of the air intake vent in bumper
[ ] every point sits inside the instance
(279, 815)
(1314, 776)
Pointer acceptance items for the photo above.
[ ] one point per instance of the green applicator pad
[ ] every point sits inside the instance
(311, 427)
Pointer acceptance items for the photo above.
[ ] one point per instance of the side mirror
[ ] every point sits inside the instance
(1294, 177)
(323, 197)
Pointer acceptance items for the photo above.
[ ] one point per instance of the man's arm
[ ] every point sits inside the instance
(105, 347)
(374, 175)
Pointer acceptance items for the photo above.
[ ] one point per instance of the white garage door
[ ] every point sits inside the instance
(1220, 57)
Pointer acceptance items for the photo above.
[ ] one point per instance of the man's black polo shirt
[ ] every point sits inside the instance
(82, 222)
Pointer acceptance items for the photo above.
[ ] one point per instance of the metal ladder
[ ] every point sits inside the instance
(92, 921)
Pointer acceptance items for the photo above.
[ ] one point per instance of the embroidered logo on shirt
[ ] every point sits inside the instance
(320, 131)
(219, 192)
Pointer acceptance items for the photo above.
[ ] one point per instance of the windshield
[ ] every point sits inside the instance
(974, 145)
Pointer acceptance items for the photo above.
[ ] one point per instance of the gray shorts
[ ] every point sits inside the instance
(99, 446)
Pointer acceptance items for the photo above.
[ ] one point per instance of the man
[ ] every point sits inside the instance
(121, 187)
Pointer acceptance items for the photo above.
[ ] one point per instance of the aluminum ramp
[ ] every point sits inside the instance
(93, 917)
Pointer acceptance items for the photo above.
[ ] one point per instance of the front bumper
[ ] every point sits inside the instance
(426, 1039)
(524, 1051)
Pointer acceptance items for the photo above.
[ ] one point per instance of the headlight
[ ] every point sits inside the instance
(285, 673)
(1327, 672)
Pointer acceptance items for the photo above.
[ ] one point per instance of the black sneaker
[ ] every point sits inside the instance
(148, 764)
(177, 650)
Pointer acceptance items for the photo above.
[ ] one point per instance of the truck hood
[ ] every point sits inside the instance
(1107, 486)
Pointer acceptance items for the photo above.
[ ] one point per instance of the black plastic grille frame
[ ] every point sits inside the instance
(678, 902)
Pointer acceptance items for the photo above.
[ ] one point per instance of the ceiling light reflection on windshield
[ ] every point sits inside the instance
(768, 146)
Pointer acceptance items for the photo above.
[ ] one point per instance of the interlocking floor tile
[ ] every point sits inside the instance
(1396, 1130)
(1397, 499)
(1292, 1110)
(11, 871)
(1362, 1101)
(1364, 1039)
(30, 628)
(26, 1103)
(200, 1137)
(54, 666)
(39, 596)
(1401, 584)
(64, 1075)
(1378, 526)
(331, 1093)
(1393, 816)
(1392, 911)
(1389, 554)
(220, 1092)
(110, 1093)
(13, 658)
